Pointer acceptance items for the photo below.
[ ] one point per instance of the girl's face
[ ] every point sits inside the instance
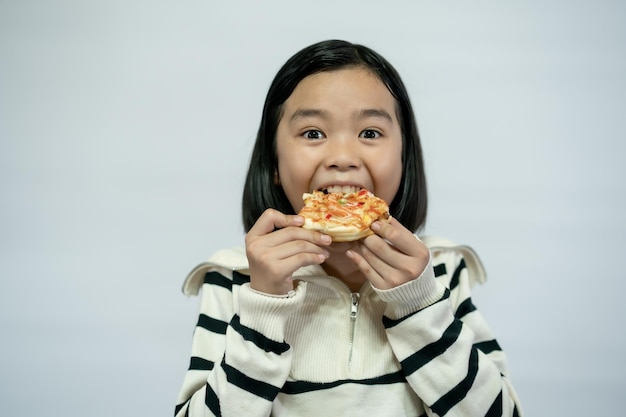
(339, 128)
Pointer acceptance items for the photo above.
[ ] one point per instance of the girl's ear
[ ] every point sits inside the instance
(276, 178)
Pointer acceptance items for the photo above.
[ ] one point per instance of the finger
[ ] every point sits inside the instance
(272, 267)
(283, 251)
(288, 235)
(402, 239)
(294, 248)
(384, 259)
(289, 227)
(272, 219)
(366, 268)
(380, 274)
(283, 263)
(302, 259)
(380, 253)
(393, 266)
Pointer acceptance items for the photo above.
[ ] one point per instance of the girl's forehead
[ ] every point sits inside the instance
(339, 76)
(342, 85)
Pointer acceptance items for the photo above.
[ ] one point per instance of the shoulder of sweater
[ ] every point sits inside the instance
(444, 248)
(224, 261)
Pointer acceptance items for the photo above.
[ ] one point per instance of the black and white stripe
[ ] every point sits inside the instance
(449, 334)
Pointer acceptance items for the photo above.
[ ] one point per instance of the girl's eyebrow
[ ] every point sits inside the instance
(303, 113)
(381, 113)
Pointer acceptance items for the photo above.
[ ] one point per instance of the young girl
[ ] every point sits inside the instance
(296, 325)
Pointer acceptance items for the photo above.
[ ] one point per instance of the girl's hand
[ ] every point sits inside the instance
(391, 257)
(277, 246)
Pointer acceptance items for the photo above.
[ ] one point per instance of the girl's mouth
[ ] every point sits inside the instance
(346, 189)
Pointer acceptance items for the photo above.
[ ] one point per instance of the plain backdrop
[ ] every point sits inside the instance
(125, 132)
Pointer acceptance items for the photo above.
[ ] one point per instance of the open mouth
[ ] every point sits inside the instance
(345, 189)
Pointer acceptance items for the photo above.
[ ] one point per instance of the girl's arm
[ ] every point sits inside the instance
(447, 352)
(240, 359)
(239, 356)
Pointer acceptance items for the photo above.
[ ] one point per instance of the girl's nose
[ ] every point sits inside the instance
(343, 155)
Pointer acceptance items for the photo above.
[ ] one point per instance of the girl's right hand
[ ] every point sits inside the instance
(276, 246)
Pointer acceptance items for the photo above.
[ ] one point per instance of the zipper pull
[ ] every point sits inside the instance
(354, 308)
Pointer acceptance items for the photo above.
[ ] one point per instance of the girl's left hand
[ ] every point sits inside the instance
(392, 256)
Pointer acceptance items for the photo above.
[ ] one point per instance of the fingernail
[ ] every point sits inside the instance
(326, 239)
(298, 219)
(375, 226)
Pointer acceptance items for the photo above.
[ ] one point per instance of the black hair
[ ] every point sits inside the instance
(261, 190)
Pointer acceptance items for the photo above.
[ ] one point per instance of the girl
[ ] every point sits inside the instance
(295, 325)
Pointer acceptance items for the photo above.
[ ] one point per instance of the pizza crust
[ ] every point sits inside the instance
(339, 233)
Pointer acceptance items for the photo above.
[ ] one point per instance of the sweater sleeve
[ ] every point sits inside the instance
(239, 356)
(445, 347)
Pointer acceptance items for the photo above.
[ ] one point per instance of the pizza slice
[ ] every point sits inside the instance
(345, 217)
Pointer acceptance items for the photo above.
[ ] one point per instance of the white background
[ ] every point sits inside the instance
(125, 132)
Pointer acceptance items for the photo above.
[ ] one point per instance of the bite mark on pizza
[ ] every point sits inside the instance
(345, 216)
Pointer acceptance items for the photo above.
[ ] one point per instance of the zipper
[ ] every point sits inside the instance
(355, 298)
(354, 310)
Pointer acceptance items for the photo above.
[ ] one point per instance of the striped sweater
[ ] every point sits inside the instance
(421, 349)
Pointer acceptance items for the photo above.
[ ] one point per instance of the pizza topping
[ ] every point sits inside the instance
(345, 216)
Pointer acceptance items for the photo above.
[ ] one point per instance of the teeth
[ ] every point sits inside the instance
(346, 189)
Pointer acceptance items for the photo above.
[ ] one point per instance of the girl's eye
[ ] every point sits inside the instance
(313, 134)
(369, 134)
